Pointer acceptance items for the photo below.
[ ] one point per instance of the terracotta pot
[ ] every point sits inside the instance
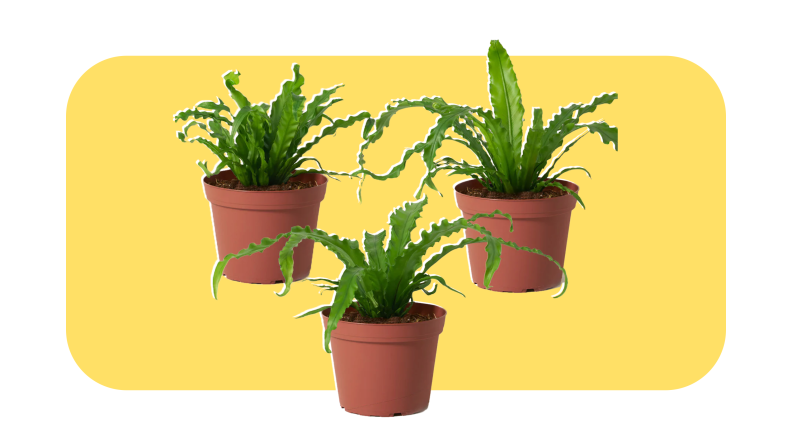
(542, 224)
(244, 217)
(384, 370)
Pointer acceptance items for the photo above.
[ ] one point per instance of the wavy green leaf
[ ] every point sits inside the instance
(332, 129)
(505, 95)
(448, 249)
(239, 121)
(253, 248)
(558, 157)
(286, 259)
(210, 173)
(543, 184)
(564, 286)
(286, 128)
(434, 139)
(556, 126)
(402, 222)
(408, 262)
(313, 311)
(215, 106)
(420, 277)
(604, 98)
(313, 118)
(373, 244)
(344, 295)
(231, 79)
(347, 250)
(329, 173)
(188, 113)
(474, 144)
(396, 169)
(378, 124)
(183, 134)
(532, 148)
(321, 279)
(320, 98)
(607, 133)
(492, 215)
(493, 250)
(568, 169)
(297, 97)
(503, 156)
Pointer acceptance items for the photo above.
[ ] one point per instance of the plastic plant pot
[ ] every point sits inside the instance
(243, 217)
(386, 370)
(538, 223)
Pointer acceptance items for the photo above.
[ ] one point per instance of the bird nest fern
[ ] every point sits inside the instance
(510, 160)
(262, 144)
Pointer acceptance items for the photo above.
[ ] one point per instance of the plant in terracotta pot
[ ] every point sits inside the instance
(265, 190)
(516, 171)
(384, 343)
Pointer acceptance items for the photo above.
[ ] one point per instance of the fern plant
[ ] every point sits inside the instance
(262, 143)
(509, 161)
(381, 282)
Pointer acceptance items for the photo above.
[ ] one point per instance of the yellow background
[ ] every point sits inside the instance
(646, 261)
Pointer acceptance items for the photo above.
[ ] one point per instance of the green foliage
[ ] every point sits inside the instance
(263, 144)
(510, 161)
(381, 282)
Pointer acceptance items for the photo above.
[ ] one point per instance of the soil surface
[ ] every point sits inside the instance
(548, 192)
(406, 319)
(235, 184)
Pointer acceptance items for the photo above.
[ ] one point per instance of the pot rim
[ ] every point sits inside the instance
(567, 183)
(206, 184)
(445, 312)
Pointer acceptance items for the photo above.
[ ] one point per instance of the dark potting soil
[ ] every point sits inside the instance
(235, 184)
(406, 319)
(548, 192)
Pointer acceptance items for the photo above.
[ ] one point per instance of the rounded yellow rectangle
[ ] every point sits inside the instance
(646, 260)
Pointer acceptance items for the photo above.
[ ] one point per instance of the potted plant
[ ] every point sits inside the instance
(515, 173)
(264, 191)
(384, 343)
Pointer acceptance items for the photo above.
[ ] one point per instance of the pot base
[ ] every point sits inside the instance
(272, 282)
(499, 290)
(385, 413)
